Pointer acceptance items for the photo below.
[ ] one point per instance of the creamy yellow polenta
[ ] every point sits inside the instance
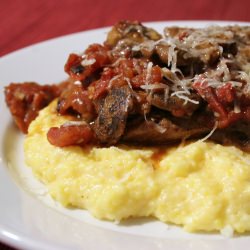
(201, 186)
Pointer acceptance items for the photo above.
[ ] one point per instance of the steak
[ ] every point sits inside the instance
(150, 132)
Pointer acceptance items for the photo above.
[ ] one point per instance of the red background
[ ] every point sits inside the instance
(24, 22)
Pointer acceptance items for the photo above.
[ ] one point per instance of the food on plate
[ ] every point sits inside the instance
(202, 186)
(147, 125)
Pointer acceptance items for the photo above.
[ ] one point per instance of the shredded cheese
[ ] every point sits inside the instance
(166, 94)
(77, 82)
(181, 87)
(222, 70)
(181, 94)
(211, 132)
(154, 86)
(113, 79)
(211, 82)
(244, 76)
(172, 56)
(128, 82)
(236, 107)
(148, 74)
(117, 62)
(88, 62)
(74, 123)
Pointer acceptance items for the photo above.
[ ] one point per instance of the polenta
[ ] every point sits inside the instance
(201, 186)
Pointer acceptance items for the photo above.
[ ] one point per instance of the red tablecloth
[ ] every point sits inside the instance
(24, 22)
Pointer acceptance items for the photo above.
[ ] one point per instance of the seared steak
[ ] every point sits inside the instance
(151, 132)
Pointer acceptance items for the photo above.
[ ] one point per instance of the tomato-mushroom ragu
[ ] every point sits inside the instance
(140, 87)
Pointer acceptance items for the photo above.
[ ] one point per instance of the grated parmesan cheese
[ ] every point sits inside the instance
(128, 82)
(148, 74)
(77, 82)
(74, 123)
(172, 58)
(243, 76)
(222, 70)
(88, 62)
(154, 86)
(181, 87)
(236, 107)
(181, 94)
(113, 79)
(211, 132)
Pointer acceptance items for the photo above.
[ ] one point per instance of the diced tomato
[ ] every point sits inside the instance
(209, 94)
(64, 136)
(26, 99)
(156, 75)
(76, 68)
(98, 89)
(226, 93)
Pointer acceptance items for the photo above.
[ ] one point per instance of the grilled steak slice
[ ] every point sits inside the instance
(175, 105)
(113, 111)
(164, 131)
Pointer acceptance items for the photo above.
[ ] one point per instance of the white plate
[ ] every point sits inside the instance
(29, 219)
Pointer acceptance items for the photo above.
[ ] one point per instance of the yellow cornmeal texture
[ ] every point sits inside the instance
(201, 186)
